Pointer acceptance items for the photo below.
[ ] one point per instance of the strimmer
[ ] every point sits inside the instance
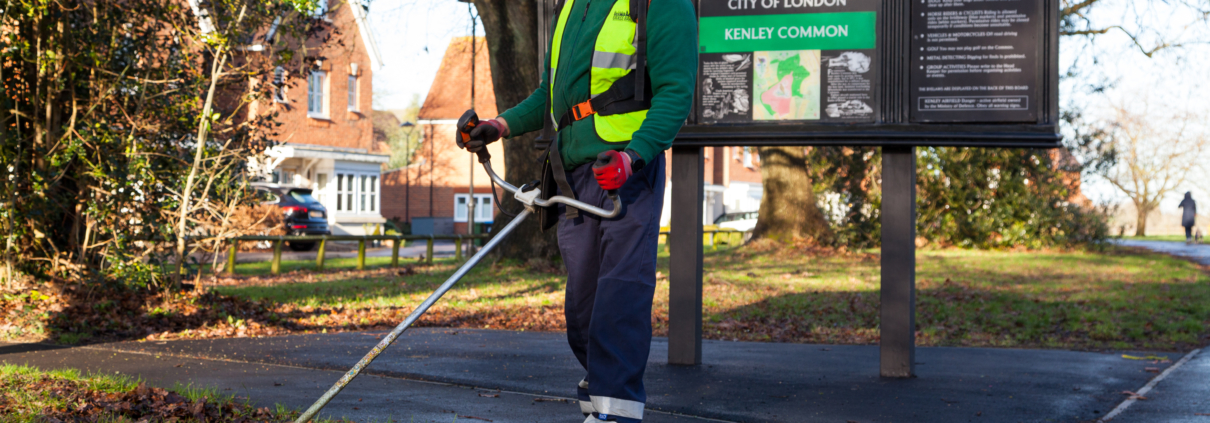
(528, 195)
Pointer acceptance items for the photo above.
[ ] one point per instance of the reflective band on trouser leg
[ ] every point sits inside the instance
(585, 402)
(618, 407)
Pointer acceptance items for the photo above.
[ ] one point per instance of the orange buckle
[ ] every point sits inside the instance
(582, 110)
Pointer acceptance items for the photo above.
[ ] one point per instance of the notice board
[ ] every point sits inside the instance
(876, 72)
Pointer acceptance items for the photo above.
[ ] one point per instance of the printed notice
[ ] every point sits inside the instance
(975, 60)
(726, 91)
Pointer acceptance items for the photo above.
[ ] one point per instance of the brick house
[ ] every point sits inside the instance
(326, 133)
(433, 193)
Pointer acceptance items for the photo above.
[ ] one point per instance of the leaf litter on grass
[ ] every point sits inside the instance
(67, 396)
(1042, 299)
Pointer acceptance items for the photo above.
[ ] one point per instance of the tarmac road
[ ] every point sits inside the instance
(434, 373)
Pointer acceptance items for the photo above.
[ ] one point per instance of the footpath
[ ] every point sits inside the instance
(1199, 253)
(500, 376)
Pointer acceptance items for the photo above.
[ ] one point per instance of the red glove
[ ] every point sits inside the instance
(612, 169)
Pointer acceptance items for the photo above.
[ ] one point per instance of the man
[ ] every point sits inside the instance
(1189, 215)
(607, 110)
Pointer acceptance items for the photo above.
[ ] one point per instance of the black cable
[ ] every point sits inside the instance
(499, 205)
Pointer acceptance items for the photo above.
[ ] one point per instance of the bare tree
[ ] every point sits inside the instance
(1157, 150)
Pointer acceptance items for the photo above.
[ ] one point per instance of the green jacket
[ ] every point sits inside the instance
(671, 63)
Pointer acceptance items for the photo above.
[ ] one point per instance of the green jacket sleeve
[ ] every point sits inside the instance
(672, 64)
(529, 114)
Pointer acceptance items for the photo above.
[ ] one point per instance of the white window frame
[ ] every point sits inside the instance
(317, 87)
(358, 193)
(483, 208)
(280, 75)
(354, 92)
(321, 187)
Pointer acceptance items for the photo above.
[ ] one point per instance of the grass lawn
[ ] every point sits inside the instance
(28, 394)
(1120, 299)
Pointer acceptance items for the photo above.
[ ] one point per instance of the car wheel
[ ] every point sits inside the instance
(301, 246)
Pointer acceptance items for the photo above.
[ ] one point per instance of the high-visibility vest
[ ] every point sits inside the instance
(613, 57)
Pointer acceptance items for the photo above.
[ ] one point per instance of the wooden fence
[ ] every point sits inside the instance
(711, 237)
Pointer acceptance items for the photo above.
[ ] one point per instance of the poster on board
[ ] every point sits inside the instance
(769, 61)
(975, 60)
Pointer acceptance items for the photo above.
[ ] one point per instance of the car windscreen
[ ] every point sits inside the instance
(303, 197)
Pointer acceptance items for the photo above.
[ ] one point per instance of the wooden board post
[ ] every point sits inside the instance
(897, 347)
(685, 256)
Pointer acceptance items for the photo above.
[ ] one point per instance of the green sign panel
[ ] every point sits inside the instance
(803, 31)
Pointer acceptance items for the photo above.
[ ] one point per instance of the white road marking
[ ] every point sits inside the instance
(1147, 388)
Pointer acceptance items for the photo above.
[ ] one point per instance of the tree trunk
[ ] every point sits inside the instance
(512, 40)
(788, 210)
(1140, 228)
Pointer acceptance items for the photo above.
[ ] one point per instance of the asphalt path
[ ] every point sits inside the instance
(435, 373)
(1199, 253)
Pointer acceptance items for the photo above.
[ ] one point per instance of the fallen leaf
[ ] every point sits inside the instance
(1152, 369)
(1149, 357)
(1134, 395)
(489, 395)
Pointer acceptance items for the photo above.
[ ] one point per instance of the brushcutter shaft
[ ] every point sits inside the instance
(390, 338)
(559, 199)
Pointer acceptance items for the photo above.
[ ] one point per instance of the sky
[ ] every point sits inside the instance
(412, 36)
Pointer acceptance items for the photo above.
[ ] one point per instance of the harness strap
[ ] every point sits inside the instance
(618, 99)
(556, 164)
(638, 10)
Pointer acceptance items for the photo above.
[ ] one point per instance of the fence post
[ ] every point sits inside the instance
(319, 257)
(458, 248)
(276, 267)
(395, 251)
(231, 256)
(429, 254)
(361, 254)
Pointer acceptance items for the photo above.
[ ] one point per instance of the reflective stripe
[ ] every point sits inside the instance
(618, 407)
(603, 59)
(583, 384)
(586, 407)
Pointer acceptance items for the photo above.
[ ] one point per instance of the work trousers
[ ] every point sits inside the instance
(610, 286)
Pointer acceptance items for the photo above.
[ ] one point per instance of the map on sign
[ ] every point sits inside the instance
(785, 85)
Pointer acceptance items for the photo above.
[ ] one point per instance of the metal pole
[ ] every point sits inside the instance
(685, 257)
(390, 338)
(898, 312)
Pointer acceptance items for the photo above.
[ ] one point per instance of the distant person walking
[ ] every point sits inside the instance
(1187, 220)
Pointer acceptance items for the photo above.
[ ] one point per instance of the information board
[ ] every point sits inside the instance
(975, 60)
(876, 72)
(788, 60)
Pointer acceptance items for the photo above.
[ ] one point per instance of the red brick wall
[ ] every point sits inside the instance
(342, 128)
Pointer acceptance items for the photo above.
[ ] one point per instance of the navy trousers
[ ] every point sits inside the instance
(610, 286)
